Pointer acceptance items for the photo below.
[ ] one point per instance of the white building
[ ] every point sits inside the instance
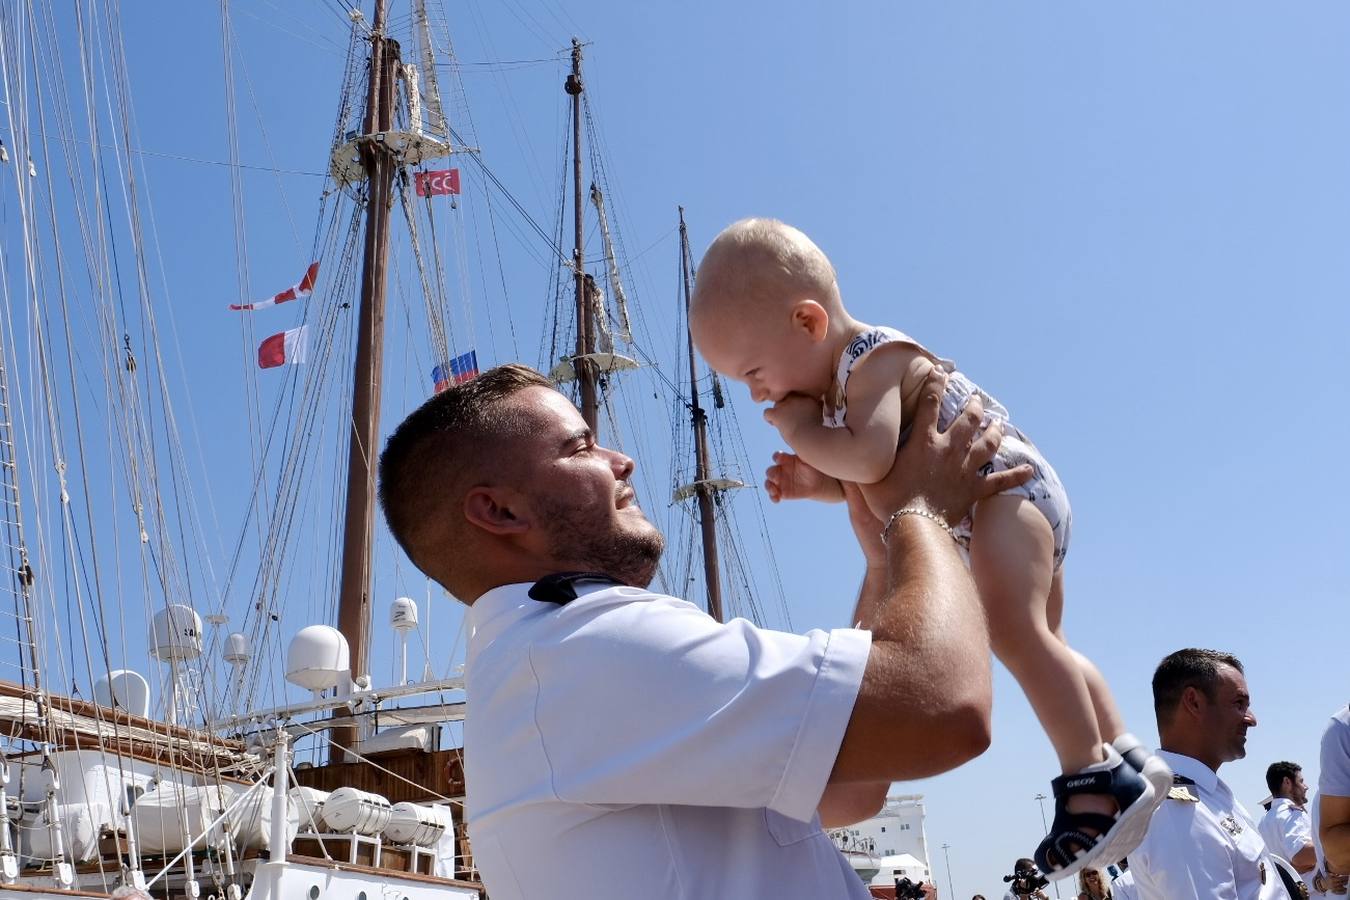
(890, 843)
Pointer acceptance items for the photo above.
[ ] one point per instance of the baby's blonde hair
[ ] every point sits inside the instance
(762, 261)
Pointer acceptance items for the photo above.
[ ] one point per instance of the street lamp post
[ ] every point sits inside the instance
(947, 857)
(1041, 798)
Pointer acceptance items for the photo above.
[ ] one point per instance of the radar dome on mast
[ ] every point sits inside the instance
(237, 651)
(318, 658)
(124, 689)
(403, 614)
(176, 634)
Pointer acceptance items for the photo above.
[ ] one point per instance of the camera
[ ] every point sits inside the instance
(1026, 880)
(908, 890)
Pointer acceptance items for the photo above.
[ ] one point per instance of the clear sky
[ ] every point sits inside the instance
(1128, 223)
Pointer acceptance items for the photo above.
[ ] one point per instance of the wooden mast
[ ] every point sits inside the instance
(380, 166)
(582, 363)
(702, 486)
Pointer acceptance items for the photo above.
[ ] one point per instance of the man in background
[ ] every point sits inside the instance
(1287, 826)
(1201, 842)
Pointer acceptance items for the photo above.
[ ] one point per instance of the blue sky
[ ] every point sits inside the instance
(1127, 224)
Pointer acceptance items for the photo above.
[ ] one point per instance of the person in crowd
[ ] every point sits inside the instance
(1026, 882)
(1202, 842)
(1092, 885)
(767, 311)
(1287, 825)
(1331, 809)
(628, 738)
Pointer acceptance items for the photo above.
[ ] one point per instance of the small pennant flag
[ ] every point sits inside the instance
(289, 348)
(303, 289)
(461, 369)
(429, 184)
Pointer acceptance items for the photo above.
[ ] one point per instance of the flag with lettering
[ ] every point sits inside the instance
(443, 181)
(303, 289)
(289, 348)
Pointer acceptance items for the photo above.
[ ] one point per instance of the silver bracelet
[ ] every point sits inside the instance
(916, 511)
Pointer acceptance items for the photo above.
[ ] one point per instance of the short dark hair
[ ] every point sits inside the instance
(1187, 668)
(1024, 863)
(1278, 772)
(447, 440)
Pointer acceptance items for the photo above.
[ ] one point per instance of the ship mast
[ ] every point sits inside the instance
(583, 362)
(703, 486)
(380, 165)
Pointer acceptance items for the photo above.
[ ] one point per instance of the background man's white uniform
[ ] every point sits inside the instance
(1202, 843)
(1287, 828)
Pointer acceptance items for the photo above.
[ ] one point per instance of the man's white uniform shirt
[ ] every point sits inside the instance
(628, 745)
(1202, 843)
(1287, 829)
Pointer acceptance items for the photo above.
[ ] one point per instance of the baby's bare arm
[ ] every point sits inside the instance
(864, 450)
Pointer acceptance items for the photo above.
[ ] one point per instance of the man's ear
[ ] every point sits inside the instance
(1193, 701)
(495, 510)
(811, 318)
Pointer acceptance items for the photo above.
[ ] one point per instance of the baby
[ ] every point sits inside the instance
(766, 311)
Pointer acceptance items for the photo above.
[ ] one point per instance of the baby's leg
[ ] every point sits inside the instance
(1109, 722)
(1011, 557)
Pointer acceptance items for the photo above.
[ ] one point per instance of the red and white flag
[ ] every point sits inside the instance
(303, 289)
(286, 349)
(429, 184)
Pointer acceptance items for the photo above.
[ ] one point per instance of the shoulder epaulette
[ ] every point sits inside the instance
(1181, 790)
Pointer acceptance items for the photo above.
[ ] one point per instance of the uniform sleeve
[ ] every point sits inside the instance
(1334, 779)
(1294, 831)
(680, 709)
(1179, 859)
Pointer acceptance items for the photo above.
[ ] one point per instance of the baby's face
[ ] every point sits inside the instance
(772, 361)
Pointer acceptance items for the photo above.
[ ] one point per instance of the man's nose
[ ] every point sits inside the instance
(1250, 719)
(622, 464)
(758, 393)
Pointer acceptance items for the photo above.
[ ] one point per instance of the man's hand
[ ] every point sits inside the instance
(943, 471)
(789, 478)
(793, 413)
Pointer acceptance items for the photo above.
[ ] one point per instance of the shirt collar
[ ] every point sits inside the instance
(1189, 767)
(495, 609)
(1282, 802)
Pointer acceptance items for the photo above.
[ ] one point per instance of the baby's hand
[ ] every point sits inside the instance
(792, 413)
(791, 479)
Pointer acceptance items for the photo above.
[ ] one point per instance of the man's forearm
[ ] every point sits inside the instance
(1336, 847)
(929, 672)
(871, 595)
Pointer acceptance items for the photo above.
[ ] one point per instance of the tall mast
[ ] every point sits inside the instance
(583, 362)
(702, 485)
(380, 165)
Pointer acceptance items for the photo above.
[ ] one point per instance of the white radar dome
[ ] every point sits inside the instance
(403, 614)
(176, 634)
(317, 658)
(123, 689)
(237, 650)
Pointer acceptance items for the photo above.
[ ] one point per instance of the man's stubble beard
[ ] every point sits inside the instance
(628, 557)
